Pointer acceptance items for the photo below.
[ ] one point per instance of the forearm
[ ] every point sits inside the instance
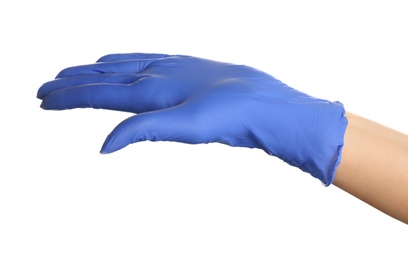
(374, 166)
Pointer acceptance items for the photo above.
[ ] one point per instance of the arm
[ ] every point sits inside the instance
(193, 100)
(374, 166)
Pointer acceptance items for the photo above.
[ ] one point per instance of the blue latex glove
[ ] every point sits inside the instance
(193, 100)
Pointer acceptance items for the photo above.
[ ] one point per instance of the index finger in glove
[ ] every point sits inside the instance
(61, 83)
(145, 94)
(127, 66)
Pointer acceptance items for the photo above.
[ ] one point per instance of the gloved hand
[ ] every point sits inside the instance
(193, 100)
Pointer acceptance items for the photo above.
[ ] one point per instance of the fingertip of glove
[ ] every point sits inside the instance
(104, 151)
(110, 145)
(103, 58)
(105, 147)
(39, 95)
(41, 92)
(46, 104)
(43, 105)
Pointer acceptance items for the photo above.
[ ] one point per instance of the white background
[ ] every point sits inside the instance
(61, 199)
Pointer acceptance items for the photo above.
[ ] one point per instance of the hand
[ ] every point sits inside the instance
(193, 100)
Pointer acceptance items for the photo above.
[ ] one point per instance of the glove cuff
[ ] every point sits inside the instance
(325, 142)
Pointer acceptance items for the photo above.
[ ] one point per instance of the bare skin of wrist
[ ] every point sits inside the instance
(374, 166)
